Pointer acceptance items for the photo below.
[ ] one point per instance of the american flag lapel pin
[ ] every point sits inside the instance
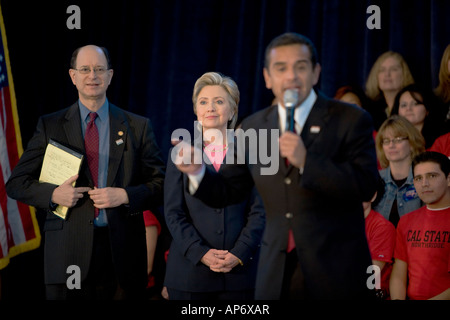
(314, 129)
(119, 141)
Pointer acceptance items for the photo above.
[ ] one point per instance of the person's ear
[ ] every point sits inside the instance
(72, 76)
(267, 78)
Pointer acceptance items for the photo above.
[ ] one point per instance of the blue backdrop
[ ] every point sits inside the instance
(160, 47)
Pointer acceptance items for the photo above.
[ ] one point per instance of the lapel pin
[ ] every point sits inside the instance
(119, 142)
(314, 129)
(120, 133)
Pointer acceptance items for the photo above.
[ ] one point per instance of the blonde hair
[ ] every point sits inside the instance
(372, 88)
(400, 127)
(443, 89)
(217, 79)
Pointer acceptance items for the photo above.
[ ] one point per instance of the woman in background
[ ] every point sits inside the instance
(389, 74)
(443, 89)
(420, 108)
(397, 143)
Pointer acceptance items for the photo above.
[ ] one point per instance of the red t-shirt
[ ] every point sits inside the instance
(423, 242)
(442, 145)
(380, 235)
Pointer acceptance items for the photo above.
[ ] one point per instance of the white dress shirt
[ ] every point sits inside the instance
(301, 113)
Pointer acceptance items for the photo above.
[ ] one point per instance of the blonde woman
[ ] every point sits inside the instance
(214, 251)
(443, 89)
(389, 74)
(397, 143)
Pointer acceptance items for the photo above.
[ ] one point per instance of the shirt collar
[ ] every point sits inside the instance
(102, 113)
(300, 114)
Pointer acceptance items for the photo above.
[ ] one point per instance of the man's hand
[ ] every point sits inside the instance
(108, 197)
(293, 148)
(66, 195)
(187, 158)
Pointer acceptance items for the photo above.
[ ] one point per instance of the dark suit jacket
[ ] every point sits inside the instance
(196, 228)
(322, 206)
(135, 165)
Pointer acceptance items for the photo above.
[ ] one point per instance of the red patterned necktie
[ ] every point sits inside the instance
(91, 145)
(291, 241)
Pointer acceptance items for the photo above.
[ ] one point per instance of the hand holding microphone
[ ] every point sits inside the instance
(290, 100)
(291, 144)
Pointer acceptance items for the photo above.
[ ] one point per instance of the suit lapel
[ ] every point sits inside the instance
(273, 122)
(316, 121)
(314, 124)
(72, 128)
(117, 140)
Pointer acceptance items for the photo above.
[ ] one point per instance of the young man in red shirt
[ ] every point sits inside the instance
(380, 234)
(422, 251)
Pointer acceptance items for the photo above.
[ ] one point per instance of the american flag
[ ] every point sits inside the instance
(19, 230)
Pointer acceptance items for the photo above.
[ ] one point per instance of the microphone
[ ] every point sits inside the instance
(290, 100)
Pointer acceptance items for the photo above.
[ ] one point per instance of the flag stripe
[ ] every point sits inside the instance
(19, 230)
(9, 127)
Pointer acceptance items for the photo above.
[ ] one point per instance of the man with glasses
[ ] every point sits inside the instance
(121, 175)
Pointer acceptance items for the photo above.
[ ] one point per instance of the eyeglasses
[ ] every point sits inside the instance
(397, 140)
(87, 70)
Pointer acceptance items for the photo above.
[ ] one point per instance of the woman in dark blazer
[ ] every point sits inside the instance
(214, 252)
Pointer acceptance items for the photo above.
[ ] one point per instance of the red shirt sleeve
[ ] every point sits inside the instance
(381, 237)
(151, 220)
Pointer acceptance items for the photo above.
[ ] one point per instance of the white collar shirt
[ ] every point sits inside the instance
(301, 113)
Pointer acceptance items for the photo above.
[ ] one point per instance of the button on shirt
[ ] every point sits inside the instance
(102, 123)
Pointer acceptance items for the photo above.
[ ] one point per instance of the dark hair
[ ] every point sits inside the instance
(436, 157)
(73, 60)
(433, 125)
(419, 94)
(356, 90)
(290, 38)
